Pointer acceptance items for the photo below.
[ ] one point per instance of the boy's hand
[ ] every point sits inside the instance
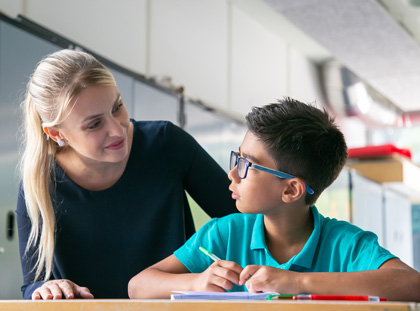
(218, 277)
(268, 279)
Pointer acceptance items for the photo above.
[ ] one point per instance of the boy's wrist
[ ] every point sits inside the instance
(302, 283)
(192, 281)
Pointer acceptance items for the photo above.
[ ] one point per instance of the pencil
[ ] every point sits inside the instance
(211, 255)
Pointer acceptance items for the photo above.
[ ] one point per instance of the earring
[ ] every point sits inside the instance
(61, 143)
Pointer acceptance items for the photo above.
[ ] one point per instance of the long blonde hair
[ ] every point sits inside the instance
(57, 80)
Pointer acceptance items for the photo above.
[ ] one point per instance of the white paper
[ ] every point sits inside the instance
(219, 295)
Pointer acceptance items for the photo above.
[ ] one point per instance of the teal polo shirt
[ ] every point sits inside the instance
(334, 246)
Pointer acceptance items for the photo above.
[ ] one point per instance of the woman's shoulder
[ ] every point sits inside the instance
(151, 126)
(150, 130)
(149, 134)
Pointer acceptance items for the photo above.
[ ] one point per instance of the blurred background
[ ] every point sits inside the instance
(203, 64)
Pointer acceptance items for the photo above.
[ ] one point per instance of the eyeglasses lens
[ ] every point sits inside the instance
(241, 164)
(233, 159)
(241, 167)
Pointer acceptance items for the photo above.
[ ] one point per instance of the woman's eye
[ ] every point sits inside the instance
(117, 108)
(93, 125)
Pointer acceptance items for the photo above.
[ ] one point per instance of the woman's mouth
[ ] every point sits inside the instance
(116, 145)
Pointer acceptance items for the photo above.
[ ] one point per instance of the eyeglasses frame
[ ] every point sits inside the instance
(261, 168)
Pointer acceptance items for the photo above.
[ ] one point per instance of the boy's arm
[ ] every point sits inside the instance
(159, 280)
(394, 280)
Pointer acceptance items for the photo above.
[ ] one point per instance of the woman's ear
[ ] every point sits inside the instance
(294, 189)
(53, 133)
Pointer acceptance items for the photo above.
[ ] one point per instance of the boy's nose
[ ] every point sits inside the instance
(232, 174)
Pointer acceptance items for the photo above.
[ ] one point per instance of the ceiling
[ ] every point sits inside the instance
(378, 40)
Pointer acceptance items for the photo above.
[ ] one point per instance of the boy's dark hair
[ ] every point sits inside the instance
(303, 141)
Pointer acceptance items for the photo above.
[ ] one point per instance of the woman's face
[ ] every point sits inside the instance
(97, 127)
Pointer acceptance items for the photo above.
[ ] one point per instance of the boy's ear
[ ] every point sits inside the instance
(53, 133)
(293, 190)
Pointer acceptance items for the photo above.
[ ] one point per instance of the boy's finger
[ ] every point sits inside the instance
(223, 283)
(231, 265)
(225, 274)
(247, 273)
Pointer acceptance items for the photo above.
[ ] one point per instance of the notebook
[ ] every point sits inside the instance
(220, 295)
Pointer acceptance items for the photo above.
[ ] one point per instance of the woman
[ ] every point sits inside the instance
(102, 196)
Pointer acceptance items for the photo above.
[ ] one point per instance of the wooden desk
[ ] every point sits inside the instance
(214, 305)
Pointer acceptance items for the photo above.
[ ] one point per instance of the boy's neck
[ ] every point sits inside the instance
(287, 233)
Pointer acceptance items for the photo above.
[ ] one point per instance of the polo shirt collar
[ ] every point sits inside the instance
(306, 255)
(258, 235)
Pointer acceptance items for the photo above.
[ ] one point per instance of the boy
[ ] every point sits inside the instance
(279, 237)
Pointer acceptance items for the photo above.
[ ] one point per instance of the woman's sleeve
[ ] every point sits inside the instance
(27, 259)
(203, 178)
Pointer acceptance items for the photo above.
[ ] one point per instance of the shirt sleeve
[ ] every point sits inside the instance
(203, 178)
(28, 259)
(208, 237)
(365, 253)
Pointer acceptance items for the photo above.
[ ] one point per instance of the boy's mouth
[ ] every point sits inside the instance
(234, 195)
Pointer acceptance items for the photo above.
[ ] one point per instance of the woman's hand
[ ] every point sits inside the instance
(60, 289)
(218, 277)
(268, 279)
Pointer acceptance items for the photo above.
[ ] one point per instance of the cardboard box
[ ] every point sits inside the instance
(395, 171)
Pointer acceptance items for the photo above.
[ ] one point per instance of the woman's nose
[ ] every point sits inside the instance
(115, 128)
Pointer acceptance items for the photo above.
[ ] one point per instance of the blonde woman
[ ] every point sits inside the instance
(102, 196)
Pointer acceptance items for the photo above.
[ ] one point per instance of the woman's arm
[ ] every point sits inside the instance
(31, 289)
(28, 259)
(208, 184)
(204, 179)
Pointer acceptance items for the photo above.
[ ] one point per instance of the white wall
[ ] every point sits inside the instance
(189, 42)
(218, 52)
(302, 77)
(259, 64)
(115, 29)
(11, 7)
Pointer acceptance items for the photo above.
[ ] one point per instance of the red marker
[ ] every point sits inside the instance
(339, 297)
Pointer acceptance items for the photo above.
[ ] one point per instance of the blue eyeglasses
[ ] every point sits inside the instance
(243, 164)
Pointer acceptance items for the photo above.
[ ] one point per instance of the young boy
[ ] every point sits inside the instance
(279, 242)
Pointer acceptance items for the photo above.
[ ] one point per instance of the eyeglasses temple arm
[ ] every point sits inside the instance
(280, 174)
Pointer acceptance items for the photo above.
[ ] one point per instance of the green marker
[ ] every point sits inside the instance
(211, 255)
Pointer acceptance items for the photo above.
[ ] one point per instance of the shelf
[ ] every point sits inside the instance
(396, 172)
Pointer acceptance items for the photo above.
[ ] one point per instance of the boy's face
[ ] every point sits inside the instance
(259, 192)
